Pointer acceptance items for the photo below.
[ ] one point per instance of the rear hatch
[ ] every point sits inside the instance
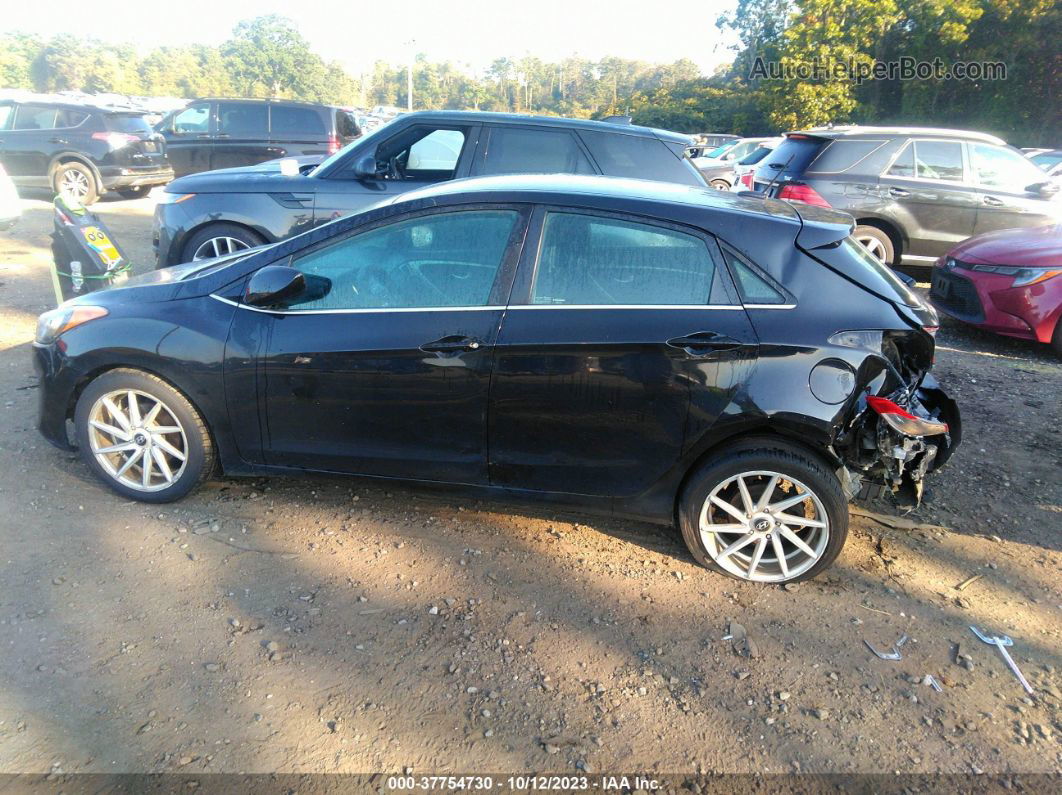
(787, 162)
(134, 144)
(346, 126)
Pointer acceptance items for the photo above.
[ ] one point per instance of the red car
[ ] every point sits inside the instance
(1009, 282)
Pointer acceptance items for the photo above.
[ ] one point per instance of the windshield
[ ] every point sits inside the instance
(375, 136)
(719, 150)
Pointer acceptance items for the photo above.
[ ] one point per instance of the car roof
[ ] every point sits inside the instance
(267, 100)
(922, 132)
(483, 117)
(70, 105)
(547, 188)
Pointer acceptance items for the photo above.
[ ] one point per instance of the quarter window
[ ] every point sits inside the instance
(754, 288)
(512, 150)
(604, 261)
(938, 160)
(444, 260)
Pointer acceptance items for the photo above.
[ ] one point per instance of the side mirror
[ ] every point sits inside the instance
(273, 285)
(365, 167)
(1046, 189)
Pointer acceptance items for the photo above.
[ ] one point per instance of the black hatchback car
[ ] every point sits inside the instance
(225, 133)
(206, 215)
(914, 192)
(81, 150)
(630, 347)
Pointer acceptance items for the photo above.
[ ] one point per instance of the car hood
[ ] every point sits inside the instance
(1035, 247)
(260, 178)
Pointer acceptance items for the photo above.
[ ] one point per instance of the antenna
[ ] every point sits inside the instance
(767, 190)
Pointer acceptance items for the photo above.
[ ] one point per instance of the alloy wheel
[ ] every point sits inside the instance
(75, 184)
(764, 526)
(218, 247)
(872, 245)
(137, 440)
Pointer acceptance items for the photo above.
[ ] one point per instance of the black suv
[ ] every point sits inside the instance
(914, 192)
(81, 150)
(224, 133)
(207, 215)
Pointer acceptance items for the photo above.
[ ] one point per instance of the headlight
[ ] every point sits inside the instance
(1023, 277)
(51, 324)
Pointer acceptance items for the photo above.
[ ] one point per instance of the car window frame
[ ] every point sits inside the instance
(967, 173)
(790, 301)
(483, 147)
(984, 186)
(521, 294)
(810, 168)
(503, 279)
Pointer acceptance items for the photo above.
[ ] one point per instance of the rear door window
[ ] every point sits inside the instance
(247, 119)
(515, 150)
(938, 160)
(600, 261)
(34, 117)
(291, 120)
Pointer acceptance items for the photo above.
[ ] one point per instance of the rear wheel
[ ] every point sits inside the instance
(766, 512)
(1056, 338)
(142, 437)
(877, 242)
(217, 240)
(720, 184)
(76, 181)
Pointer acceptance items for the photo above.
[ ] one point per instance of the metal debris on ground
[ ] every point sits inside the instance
(1001, 642)
(892, 655)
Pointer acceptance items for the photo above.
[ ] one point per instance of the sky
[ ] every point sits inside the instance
(356, 33)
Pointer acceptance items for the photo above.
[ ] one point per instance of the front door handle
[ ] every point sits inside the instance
(701, 343)
(454, 343)
(992, 201)
(899, 192)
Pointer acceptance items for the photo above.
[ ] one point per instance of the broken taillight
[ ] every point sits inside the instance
(333, 144)
(746, 180)
(802, 193)
(903, 421)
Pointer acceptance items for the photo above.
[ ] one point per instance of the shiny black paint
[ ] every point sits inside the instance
(276, 207)
(581, 407)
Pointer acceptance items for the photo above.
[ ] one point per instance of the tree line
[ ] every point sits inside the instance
(267, 56)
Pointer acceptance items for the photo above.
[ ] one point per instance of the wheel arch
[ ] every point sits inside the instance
(73, 157)
(187, 234)
(87, 378)
(893, 230)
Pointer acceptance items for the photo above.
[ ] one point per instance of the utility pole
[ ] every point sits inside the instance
(409, 74)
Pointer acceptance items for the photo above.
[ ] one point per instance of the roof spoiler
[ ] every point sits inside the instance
(821, 227)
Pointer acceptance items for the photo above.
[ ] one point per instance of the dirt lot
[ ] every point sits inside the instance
(327, 625)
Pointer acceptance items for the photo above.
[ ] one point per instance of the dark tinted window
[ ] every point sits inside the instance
(754, 287)
(291, 119)
(346, 124)
(756, 156)
(797, 151)
(450, 259)
(34, 117)
(938, 160)
(636, 156)
(511, 150)
(842, 154)
(587, 259)
(127, 122)
(243, 118)
(904, 165)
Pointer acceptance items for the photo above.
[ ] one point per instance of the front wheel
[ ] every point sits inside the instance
(764, 511)
(142, 437)
(218, 240)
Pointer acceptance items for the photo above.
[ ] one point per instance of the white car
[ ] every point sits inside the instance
(728, 153)
(747, 165)
(10, 206)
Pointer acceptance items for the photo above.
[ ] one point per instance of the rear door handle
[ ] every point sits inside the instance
(62, 141)
(451, 344)
(992, 201)
(701, 343)
(899, 192)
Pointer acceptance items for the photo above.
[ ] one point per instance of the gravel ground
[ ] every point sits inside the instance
(323, 625)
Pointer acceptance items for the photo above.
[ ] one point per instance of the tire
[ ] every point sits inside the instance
(139, 192)
(1056, 338)
(720, 184)
(758, 460)
(230, 238)
(77, 180)
(877, 242)
(192, 439)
